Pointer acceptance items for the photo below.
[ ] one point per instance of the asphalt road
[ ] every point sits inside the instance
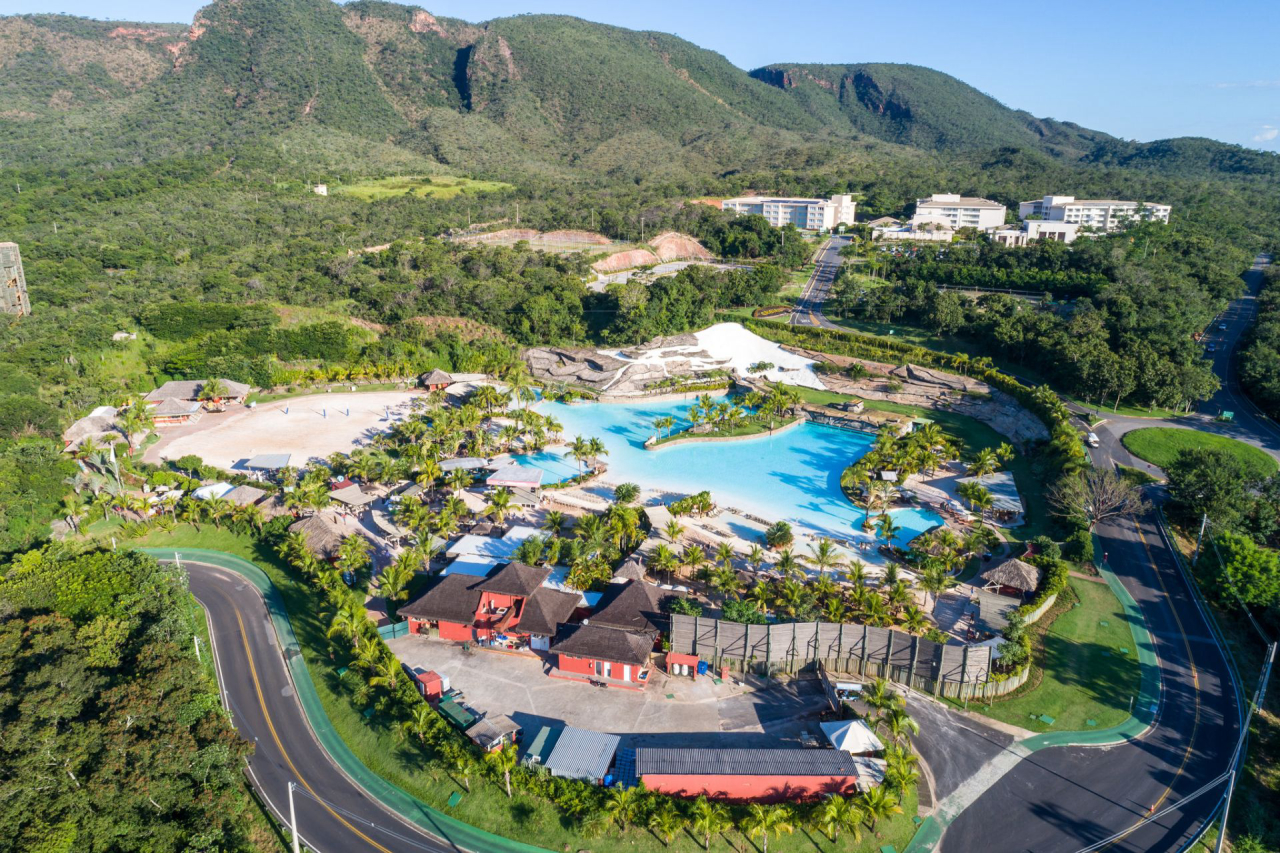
(808, 308)
(257, 689)
(1066, 798)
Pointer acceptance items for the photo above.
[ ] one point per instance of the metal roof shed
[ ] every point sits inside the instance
(582, 754)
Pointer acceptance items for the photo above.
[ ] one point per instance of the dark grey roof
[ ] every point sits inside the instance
(634, 606)
(453, 598)
(744, 762)
(546, 610)
(488, 731)
(596, 641)
(582, 754)
(515, 579)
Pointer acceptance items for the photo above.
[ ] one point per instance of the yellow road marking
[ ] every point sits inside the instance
(1195, 682)
(262, 703)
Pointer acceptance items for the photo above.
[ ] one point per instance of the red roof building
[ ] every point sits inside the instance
(758, 775)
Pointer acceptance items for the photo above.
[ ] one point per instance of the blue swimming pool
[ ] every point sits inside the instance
(793, 476)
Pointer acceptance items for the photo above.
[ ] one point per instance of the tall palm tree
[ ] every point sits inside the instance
(709, 818)
(755, 557)
(349, 621)
(837, 813)
(395, 578)
(553, 522)
(673, 530)
(761, 595)
(623, 805)
(725, 555)
(914, 620)
(789, 565)
(878, 695)
(985, 462)
(663, 559)
(762, 820)
(134, 420)
(824, 556)
(887, 529)
(935, 579)
(420, 724)
(386, 673)
(499, 505)
(504, 760)
(898, 724)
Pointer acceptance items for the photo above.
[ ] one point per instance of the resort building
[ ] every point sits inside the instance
(758, 775)
(809, 214)
(509, 607)
(925, 232)
(172, 412)
(956, 211)
(1011, 577)
(1032, 230)
(321, 534)
(13, 283)
(1006, 504)
(191, 389)
(614, 646)
(1094, 214)
(99, 426)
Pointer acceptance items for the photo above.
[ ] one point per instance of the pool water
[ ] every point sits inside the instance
(793, 476)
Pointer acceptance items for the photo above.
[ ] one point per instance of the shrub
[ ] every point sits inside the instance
(737, 610)
(778, 535)
(684, 606)
(1047, 547)
(1080, 546)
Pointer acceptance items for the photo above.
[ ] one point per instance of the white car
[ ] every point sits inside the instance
(1222, 327)
(1213, 347)
(1092, 439)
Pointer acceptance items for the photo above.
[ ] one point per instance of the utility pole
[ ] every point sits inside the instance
(517, 214)
(293, 821)
(1204, 521)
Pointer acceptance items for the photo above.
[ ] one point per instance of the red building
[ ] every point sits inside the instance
(759, 775)
(509, 606)
(614, 646)
(436, 380)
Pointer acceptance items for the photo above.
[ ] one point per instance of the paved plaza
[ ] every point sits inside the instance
(699, 712)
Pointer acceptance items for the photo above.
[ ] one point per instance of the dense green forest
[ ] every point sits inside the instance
(1124, 329)
(111, 735)
(1259, 358)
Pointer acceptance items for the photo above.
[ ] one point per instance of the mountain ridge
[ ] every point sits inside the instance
(548, 94)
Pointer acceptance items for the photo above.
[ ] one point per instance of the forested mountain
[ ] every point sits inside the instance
(524, 95)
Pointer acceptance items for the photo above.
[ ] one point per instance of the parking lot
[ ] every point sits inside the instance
(671, 711)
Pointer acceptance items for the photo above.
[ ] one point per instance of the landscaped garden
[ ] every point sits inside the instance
(1084, 669)
(1161, 445)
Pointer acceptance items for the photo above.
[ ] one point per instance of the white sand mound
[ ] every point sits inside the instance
(731, 346)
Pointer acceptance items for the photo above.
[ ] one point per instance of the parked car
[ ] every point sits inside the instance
(1092, 439)
(1222, 327)
(1213, 347)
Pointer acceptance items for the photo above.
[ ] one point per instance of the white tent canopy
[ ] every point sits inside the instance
(853, 736)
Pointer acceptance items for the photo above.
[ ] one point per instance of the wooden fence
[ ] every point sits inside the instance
(955, 670)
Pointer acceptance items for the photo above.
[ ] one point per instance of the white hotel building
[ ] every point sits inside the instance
(810, 214)
(957, 211)
(1096, 214)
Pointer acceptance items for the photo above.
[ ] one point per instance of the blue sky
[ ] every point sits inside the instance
(1139, 69)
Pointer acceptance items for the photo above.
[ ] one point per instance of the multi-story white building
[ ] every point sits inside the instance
(810, 214)
(1032, 230)
(1096, 214)
(956, 211)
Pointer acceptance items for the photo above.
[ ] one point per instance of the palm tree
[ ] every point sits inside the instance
(935, 579)
(837, 813)
(386, 672)
(887, 529)
(666, 821)
(217, 509)
(878, 803)
(693, 556)
(504, 760)
(135, 420)
(985, 462)
(623, 805)
(879, 696)
(499, 505)
(725, 555)
(824, 556)
(761, 595)
(579, 449)
(420, 724)
(596, 449)
(673, 530)
(395, 579)
(353, 554)
(834, 611)
(914, 620)
(461, 763)
(213, 389)
(248, 514)
(553, 522)
(898, 724)
(789, 565)
(764, 821)
(755, 557)
(663, 423)
(663, 559)
(349, 621)
(709, 819)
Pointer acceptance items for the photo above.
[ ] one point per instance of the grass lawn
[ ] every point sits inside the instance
(1160, 446)
(527, 818)
(972, 435)
(1080, 670)
(434, 186)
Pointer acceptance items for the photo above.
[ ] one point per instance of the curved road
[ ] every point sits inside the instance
(1068, 798)
(257, 690)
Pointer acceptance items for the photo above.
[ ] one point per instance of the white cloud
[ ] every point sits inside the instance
(1267, 134)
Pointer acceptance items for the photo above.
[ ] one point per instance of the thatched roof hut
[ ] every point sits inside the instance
(1013, 574)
